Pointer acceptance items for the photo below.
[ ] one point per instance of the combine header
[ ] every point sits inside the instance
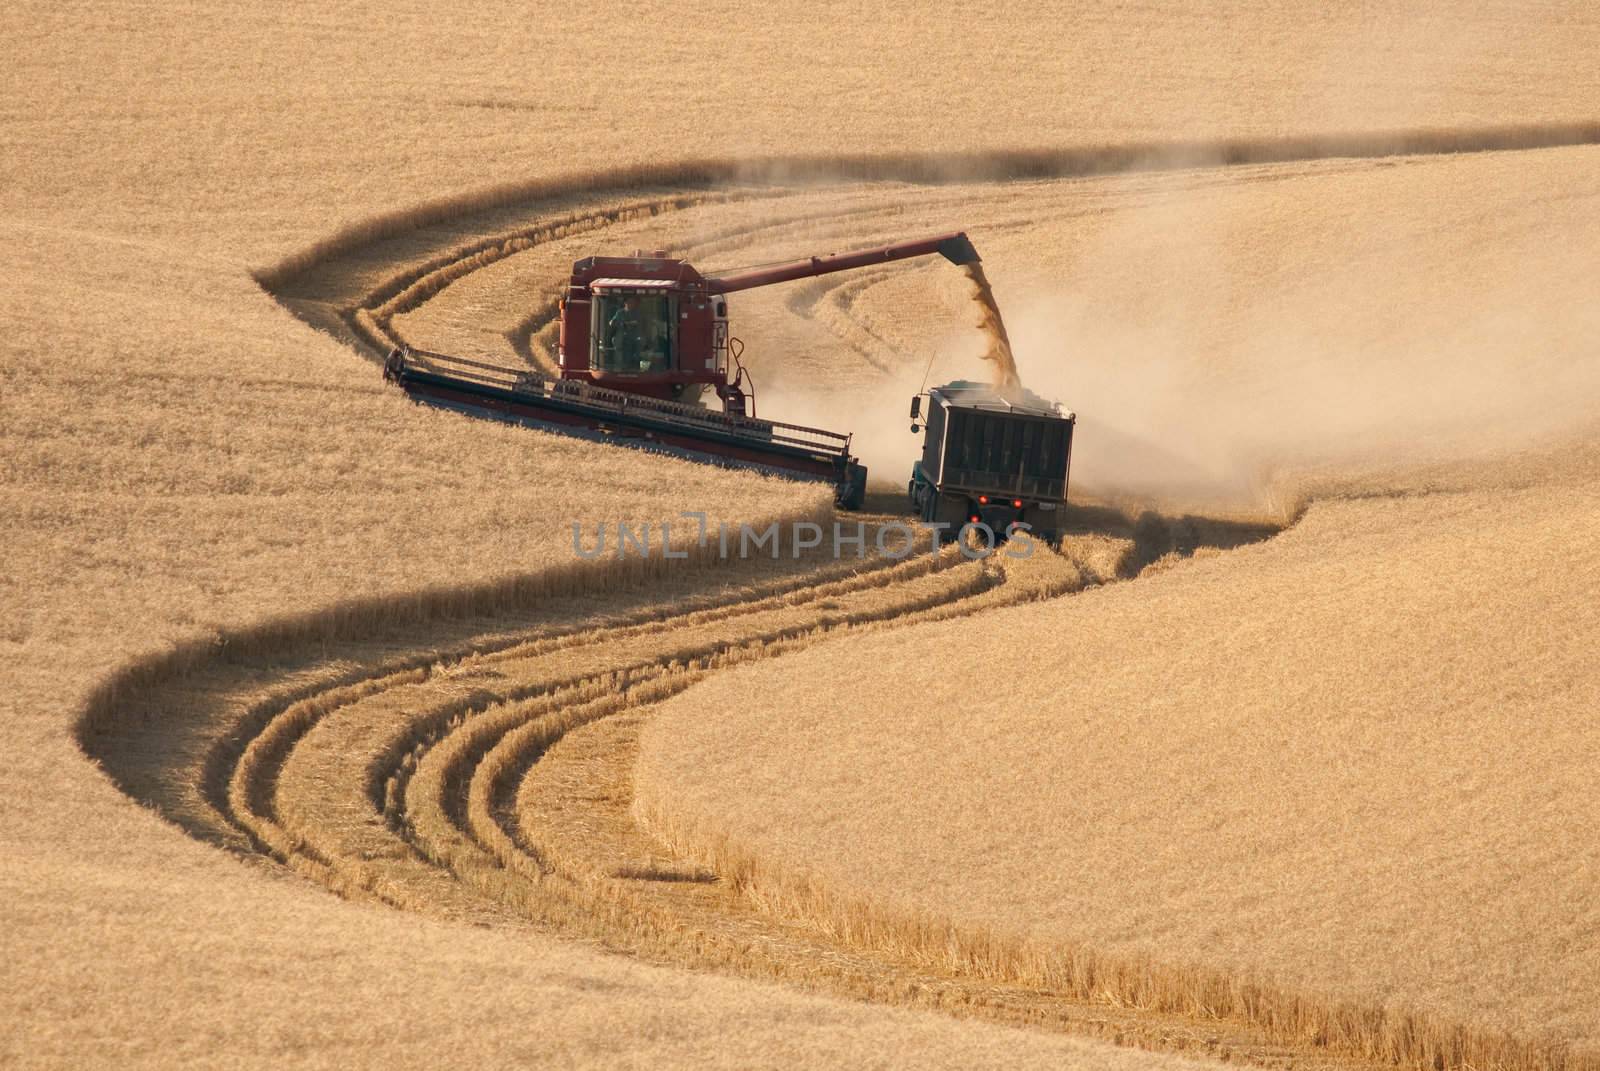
(642, 338)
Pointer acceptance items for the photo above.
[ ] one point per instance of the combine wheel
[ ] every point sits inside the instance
(853, 492)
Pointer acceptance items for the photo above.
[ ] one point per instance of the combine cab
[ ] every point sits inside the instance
(993, 456)
(643, 338)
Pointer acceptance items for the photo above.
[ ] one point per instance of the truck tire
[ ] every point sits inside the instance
(949, 510)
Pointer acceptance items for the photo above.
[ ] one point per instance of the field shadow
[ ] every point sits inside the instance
(1157, 535)
(1153, 534)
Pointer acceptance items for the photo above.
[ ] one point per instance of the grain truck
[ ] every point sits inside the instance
(992, 456)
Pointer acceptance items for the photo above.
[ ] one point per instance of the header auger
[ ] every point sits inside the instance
(641, 338)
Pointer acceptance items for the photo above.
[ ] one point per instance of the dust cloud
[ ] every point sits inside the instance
(1242, 411)
(876, 417)
(1232, 346)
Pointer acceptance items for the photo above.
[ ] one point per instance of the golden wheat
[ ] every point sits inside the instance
(190, 473)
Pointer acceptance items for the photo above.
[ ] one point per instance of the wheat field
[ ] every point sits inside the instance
(230, 549)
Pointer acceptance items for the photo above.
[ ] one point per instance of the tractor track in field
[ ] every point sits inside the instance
(480, 768)
(491, 782)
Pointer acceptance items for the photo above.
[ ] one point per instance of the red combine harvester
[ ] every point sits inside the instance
(642, 337)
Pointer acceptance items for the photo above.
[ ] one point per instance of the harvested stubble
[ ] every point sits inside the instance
(384, 782)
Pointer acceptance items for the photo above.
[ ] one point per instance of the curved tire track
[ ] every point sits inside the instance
(491, 783)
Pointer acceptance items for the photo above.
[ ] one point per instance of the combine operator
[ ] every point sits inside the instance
(638, 336)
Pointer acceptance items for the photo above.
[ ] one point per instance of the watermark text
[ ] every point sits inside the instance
(849, 539)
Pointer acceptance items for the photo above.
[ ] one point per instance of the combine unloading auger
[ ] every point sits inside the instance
(641, 338)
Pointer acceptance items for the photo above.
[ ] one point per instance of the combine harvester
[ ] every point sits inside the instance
(641, 338)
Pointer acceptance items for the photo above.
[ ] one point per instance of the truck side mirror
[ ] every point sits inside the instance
(916, 406)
